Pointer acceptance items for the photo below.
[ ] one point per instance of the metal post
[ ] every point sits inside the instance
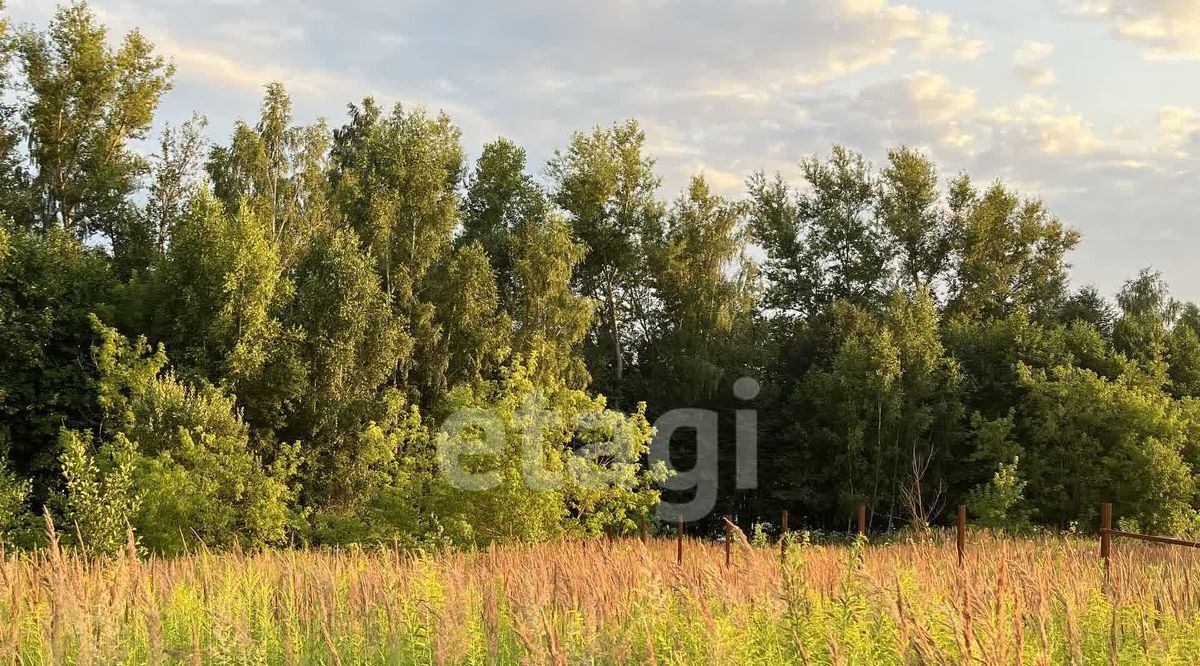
(1105, 532)
(862, 520)
(783, 534)
(728, 541)
(962, 533)
(679, 544)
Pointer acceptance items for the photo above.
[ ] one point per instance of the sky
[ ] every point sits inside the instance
(1089, 105)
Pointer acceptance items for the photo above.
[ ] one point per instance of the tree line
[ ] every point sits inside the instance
(259, 339)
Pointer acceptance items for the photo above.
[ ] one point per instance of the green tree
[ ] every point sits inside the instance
(16, 195)
(49, 283)
(16, 522)
(173, 458)
(828, 243)
(351, 345)
(99, 502)
(550, 320)
(475, 334)
(277, 169)
(1000, 503)
(175, 177)
(843, 235)
(791, 273)
(846, 406)
(703, 282)
(87, 102)
(607, 187)
(1089, 440)
(909, 210)
(396, 180)
(217, 301)
(1088, 306)
(500, 196)
(1147, 315)
(925, 428)
(1008, 254)
(559, 464)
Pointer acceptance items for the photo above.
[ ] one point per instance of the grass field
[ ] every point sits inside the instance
(1031, 601)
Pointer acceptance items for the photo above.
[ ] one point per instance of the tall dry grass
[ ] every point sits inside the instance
(1016, 601)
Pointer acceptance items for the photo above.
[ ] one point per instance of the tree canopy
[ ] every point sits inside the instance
(274, 337)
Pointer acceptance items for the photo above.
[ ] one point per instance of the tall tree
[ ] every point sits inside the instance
(49, 284)
(396, 181)
(910, 213)
(279, 170)
(87, 102)
(791, 273)
(607, 186)
(703, 282)
(218, 297)
(16, 195)
(475, 332)
(500, 196)
(175, 176)
(1009, 253)
(845, 238)
(550, 320)
(826, 244)
(352, 343)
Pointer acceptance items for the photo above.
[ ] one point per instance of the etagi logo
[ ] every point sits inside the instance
(702, 477)
(610, 457)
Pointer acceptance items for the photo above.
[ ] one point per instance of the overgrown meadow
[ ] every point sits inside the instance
(1032, 601)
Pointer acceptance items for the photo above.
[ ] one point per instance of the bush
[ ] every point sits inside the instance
(1000, 503)
(17, 525)
(176, 462)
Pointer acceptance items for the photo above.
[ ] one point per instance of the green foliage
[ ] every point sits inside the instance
(475, 333)
(49, 284)
(550, 320)
(87, 102)
(331, 301)
(606, 185)
(1000, 502)
(542, 463)
(703, 281)
(17, 524)
(350, 348)
(100, 500)
(884, 410)
(276, 172)
(1096, 440)
(501, 197)
(175, 461)
(219, 295)
(1009, 252)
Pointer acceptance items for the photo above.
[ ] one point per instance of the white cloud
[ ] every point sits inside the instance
(1168, 29)
(1178, 128)
(728, 87)
(935, 99)
(887, 26)
(1041, 124)
(1029, 62)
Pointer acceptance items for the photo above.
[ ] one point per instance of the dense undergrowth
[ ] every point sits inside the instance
(1034, 601)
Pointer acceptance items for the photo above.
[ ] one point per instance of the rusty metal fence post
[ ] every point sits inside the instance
(962, 533)
(783, 534)
(728, 540)
(679, 544)
(1106, 533)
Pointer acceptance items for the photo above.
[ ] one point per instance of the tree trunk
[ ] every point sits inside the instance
(614, 331)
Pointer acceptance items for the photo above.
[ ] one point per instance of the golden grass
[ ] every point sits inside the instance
(1028, 601)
